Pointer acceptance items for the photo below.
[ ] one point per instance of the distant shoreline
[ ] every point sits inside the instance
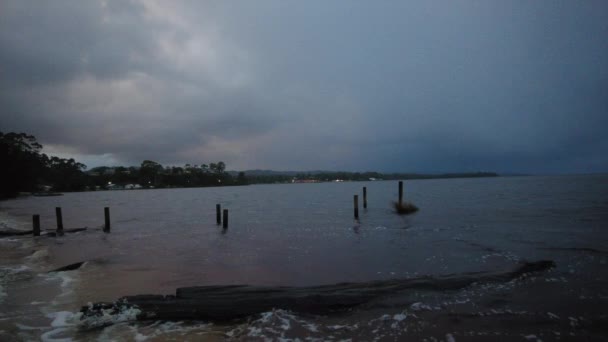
(409, 177)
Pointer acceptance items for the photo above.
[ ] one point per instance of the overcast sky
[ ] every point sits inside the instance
(424, 86)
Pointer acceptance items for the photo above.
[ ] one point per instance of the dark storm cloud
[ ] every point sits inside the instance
(393, 86)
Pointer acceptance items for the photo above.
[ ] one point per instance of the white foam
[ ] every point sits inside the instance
(449, 338)
(163, 328)
(66, 280)
(109, 317)
(311, 327)
(254, 331)
(343, 327)
(140, 338)
(27, 327)
(400, 317)
(286, 325)
(9, 274)
(62, 319)
(49, 336)
(418, 306)
(7, 270)
(39, 256)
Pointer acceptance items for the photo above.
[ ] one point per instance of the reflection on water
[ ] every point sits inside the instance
(302, 234)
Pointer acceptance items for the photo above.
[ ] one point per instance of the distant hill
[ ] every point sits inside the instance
(258, 172)
(271, 176)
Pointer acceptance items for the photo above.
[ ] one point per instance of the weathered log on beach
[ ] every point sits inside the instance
(220, 303)
(19, 232)
(14, 232)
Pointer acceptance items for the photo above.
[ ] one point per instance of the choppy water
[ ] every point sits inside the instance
(304, 234)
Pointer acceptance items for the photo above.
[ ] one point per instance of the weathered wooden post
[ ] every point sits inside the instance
(356, 205)
(36, 223)
(59, 220)
(218, 214)
(400, 192)
(225, 220)
(364, 197)
(106, 213)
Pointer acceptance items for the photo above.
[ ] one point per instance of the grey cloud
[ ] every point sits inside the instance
(391, 86)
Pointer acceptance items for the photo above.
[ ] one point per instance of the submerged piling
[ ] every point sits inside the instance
(364, 197)
(59, 220)
(356, 206)
(225, 220)
(218, 214)
(106, 213)
(401, 207)
(36, 225)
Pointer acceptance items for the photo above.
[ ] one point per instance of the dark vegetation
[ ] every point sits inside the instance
(24, 168)
(151, 174)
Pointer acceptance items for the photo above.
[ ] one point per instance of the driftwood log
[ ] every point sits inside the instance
(69, 267)
(221, 303)
(14, 232)
(48, 232)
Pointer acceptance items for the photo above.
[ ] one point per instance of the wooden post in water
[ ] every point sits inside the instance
(364, 197)
(106, 214)
(400, 192)
(218, 214)
(225, 220)
(356, 205)
(59, 220)
(36, 224)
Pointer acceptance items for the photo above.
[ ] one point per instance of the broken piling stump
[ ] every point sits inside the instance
(106, 214)
(218, 214)
(59, 220)
(225, 219)
(36, 225)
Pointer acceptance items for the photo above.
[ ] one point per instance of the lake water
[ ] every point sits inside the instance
(305, 234)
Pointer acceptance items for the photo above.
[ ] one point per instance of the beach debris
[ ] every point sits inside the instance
(69, 267)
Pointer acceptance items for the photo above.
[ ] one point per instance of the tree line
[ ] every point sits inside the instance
(329, 176)
(151, 174)
(24, 168)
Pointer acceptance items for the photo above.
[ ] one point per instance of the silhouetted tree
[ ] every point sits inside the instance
(241, 178)
(21, 163)
(66, 174)
(150, 172)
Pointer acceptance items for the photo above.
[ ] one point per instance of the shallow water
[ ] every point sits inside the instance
(305, 234)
